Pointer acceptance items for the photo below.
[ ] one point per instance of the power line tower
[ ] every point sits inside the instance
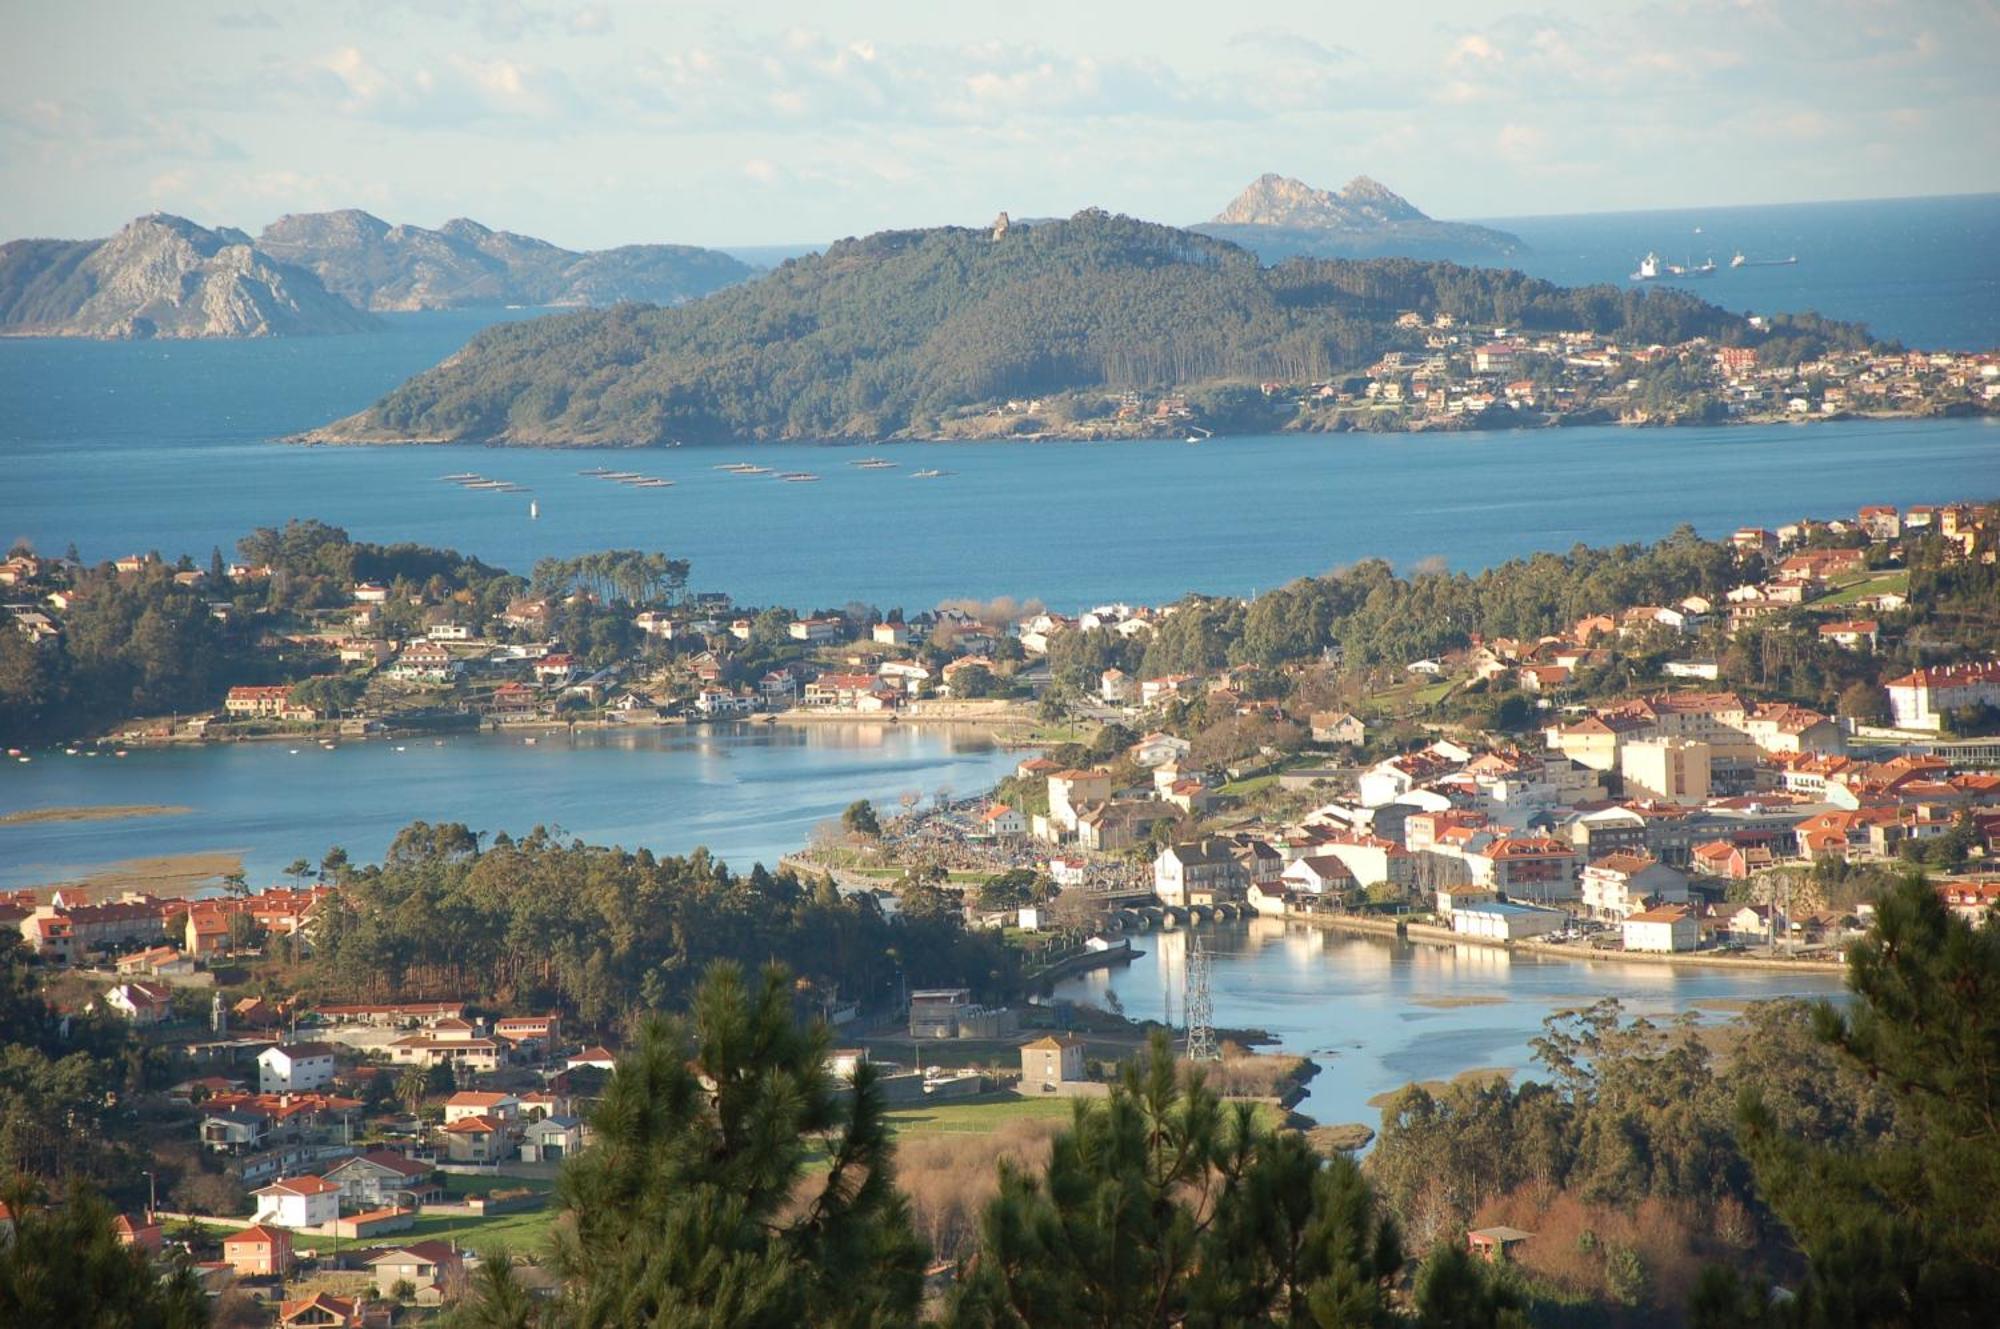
(1196, 1006)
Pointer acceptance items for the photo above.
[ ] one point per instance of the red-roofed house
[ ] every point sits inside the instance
(141, 1230)
(258, 1252)
(476, 1140)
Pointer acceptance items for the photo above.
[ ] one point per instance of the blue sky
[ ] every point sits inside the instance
(745, 123)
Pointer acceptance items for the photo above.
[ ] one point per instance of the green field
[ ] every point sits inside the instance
(976, 1116)
(522, 1232)
(1876, 583)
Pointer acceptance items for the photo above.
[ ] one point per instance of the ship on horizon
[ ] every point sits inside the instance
(1742, 262)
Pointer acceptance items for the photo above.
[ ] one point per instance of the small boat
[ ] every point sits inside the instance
(401, 748)
(1649, 268)
(798, 477)
(619, 477)
(926, 475)
(461, 475)
(119, 753)
(753, 470)
(13, 752)
(652, 483)
(534, 514)
(873, 464)
(529, 741)
(295, 752)
(595, 470)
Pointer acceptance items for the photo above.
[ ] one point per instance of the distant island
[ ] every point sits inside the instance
(315, 273)
(1096, 327)
(1278, 218)
(163, 276)
(378, 266)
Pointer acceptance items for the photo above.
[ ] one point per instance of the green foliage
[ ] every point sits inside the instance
(692, 1207)
(860, 818)
(1903, 1230)
(538, 920)
(66, 1269)
(629, 575)
(1162, 1207)
(1455, 1290)
(900, 330)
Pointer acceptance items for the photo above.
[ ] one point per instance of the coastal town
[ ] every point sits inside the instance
(1625, 789)
(1447, 375)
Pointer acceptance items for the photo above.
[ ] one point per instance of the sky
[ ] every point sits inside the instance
(751, 122)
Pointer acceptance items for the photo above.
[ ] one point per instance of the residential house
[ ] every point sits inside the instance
(1197, 872)
(597, 1057)
(322, 1310)
(1921, 699)
(502, 1108)
(1339, 727)
(463, 1054)
(294, 1068)
(432, 1268)
(1114, 687)
(1050, 1062)
(1667, 928)
(1003, 822)
(156, 960)
(1157, 749)
(258, 1252)
(551, 1139)
(1619, 885)
(235, 1131)
(1070, 790)
(477, 1140)
(817, 631)
(297, 1202)
(381, 1179)
(1854, 634)
(141, 1004)
(140, 1230)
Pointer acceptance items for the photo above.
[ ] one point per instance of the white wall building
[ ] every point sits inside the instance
(294, 1068)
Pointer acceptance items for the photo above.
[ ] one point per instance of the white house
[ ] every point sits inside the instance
(294, 1068)
(1618, 885)
(1114, 686)
(469, 1103)
(297, 1202)
(1670, 927)
(1000, 820)
(1158, 749)
(141, 1003)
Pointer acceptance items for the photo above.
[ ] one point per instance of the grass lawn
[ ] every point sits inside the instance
(975, 1116)
(520, 1232)
(1244, 788)
(1876, 583)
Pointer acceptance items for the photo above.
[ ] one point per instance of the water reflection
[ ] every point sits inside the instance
(1377, 1013)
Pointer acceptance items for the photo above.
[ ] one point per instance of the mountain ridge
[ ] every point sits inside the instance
(383, 266)
(164, 276)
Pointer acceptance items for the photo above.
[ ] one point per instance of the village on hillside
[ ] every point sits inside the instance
(1642, 785)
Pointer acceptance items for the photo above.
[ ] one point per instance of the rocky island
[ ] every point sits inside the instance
(380, 266)
(1277, 218)
(163, 276)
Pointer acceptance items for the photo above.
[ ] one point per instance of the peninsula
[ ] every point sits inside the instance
(1104, 327)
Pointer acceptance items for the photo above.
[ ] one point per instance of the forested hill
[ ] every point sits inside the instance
(892, 334)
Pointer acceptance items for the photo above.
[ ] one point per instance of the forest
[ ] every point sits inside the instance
(604, 932)
(892, 333)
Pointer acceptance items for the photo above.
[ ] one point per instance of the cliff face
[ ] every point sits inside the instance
(379, 266)
(163, 276)
(1278, 218)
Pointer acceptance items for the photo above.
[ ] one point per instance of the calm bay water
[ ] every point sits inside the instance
(749, 793)
(1377, 1014)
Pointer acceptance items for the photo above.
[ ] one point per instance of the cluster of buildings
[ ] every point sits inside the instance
(1448, 373)
(144, 936)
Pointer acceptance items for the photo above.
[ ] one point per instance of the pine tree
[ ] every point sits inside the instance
(64, 1268)
(1457, 1291)
(1906, 1232)
(1161, 1207)
(692, 1206)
